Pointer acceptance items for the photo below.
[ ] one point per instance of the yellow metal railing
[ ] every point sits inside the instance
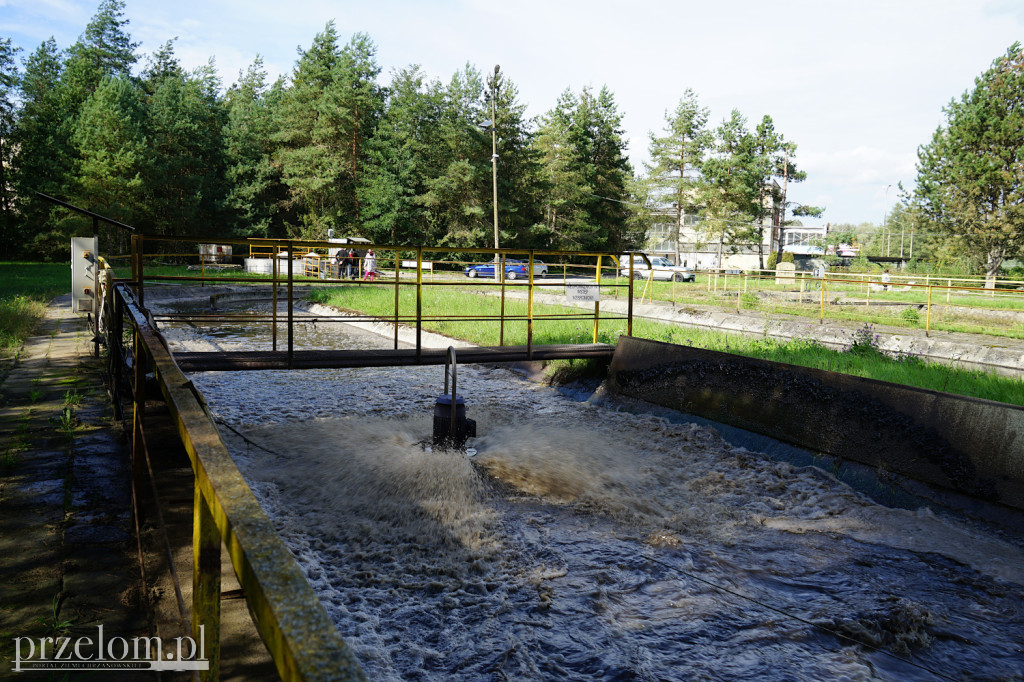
(319, 265)
(300, 637)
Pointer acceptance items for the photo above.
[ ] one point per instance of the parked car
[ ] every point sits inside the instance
(661, 269)
(513, 269)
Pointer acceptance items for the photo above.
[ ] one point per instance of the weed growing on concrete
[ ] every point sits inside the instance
(8, 460)
(34, 395)
(865, 342)
(67, 421)
(53, 623)
(72, 398)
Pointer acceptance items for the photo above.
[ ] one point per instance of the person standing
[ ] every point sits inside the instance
(349, 263)
(370, 265)
(885, 280)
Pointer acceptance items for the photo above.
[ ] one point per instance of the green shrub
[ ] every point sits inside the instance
(911, 316)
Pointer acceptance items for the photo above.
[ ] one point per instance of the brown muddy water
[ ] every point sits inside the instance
(591, 540)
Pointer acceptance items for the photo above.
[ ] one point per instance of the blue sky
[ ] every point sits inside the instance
(858, 86)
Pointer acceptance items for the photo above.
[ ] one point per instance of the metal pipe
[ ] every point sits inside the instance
(291, 309)
(450, 361)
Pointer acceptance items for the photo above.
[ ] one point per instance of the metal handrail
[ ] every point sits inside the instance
(303, 642)
(291, 246)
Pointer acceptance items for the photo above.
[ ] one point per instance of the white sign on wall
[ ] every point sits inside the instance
(582, 293)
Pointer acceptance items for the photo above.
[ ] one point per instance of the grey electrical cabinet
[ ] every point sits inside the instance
(83, 274)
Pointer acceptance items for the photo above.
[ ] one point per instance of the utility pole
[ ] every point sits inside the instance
(885, 218)
(494, 167)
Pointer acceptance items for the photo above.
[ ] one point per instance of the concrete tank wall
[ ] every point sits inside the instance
(965, 444)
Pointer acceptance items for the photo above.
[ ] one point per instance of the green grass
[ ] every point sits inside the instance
(955, 317)
(25, 288)
(469, 302)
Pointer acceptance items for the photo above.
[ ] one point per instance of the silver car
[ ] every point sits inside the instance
(661, 269)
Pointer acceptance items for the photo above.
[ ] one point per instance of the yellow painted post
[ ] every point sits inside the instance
(398, 275)
(949, 287)
(867, 302)
(206, 584)
(928, 314)
(275, 252)
(529, 308)
(419, 303)
(597, 303)
(629, 308)
(139, 242)
(139, 411)
(501, 320)
(821, 319)
(291, 308)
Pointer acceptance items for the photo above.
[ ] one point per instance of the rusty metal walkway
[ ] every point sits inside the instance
(329, 359)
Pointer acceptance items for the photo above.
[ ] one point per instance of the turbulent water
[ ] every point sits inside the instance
(588, 541)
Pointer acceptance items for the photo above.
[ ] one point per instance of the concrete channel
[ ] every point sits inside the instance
(780, 524)
(969, 447)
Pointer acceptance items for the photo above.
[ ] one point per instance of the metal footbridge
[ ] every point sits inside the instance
(333, 359)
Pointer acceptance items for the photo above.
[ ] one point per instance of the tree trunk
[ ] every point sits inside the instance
(782, 214)
(355, 164)
(995, 259)
(679, 224)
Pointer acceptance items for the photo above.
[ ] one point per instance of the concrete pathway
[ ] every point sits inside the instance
(67, 559)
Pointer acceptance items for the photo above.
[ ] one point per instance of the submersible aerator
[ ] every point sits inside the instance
(451, 427)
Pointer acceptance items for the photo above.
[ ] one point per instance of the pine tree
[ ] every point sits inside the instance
(9, 78)
(42, 137)
(677, 156)
(519, 171)
(359, 101)
(254, 187)
(596, 133)
(566, 220)
(731, 194)
(969, 178)
(312, 144)
(587, 173)
(399, 160)
(114, 154)
(184, 177)
(457, 182)
(104, 49)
